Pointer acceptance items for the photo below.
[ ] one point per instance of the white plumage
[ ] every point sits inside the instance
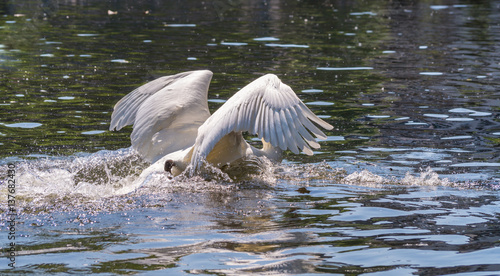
(171, 121)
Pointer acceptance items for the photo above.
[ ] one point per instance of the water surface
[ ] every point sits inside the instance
(406, 183)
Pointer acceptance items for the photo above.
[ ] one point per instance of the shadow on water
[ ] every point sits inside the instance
(406, 183)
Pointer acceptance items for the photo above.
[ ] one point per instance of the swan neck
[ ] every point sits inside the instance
(181, 161)
(271, 152)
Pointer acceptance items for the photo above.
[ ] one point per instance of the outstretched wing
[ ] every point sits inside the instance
(268, 108)
(165, 113)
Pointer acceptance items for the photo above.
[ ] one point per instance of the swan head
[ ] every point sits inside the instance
(174, 163)
(169, 164)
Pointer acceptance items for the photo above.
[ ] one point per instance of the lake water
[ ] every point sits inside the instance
(407, 182)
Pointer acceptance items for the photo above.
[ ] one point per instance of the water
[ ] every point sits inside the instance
(407, 182)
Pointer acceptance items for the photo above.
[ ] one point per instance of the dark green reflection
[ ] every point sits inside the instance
(64, 66)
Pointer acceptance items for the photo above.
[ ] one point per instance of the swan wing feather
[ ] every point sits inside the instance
(267, 108)
(165, 113)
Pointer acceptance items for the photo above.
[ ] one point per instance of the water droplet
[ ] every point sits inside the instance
(312, 90)
(343, 68)
(286, 45)
(431, 73)
(459, 137)
(459, 119)
(480, 114)
(268, 38)
(66, 98)
(402, 119)
(320, 103)
(120, 61)
(93, 132)
(439, 7)
(461, 110)
(216, 100)
(233, 43)
(179, 25)
(378, 116)
(24, 125)
(363, 13)
(443, 116)
(87, 35)
(412, 123)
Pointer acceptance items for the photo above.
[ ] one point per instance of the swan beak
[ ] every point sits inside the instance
(168, 165)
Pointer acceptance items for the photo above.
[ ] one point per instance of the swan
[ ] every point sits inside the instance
(173, 127)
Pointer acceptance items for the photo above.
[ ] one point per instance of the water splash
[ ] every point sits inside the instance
(93, 176)
(426, 178)
(365, 177)
(120, 179)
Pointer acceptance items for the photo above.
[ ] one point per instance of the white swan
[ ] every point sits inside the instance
(172, 125)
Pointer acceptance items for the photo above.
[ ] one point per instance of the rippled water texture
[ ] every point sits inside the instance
(407, 183)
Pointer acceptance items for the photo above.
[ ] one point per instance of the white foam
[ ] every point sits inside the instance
(114, 175)
(364, 177)
(97, 175)
(425, 178)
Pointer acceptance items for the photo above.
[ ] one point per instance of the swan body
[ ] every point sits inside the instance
(172, 124)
